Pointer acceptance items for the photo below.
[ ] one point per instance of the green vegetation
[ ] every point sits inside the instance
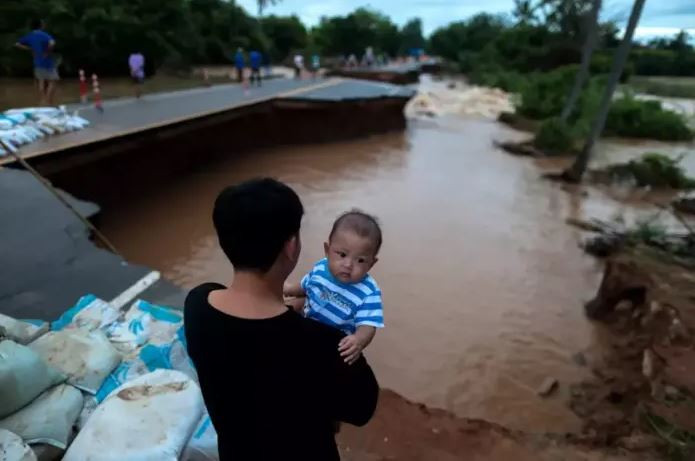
(654, 170)
(680, 443)
(554, 137)
(646, 119)
(99, 35)
(675, 87)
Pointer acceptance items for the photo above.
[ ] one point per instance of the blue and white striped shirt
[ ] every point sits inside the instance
(342, 305)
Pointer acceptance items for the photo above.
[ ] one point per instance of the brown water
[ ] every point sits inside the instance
(482, 279)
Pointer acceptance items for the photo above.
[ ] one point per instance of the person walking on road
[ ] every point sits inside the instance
(239, 63)
(41, 44)
(255, 61)
(315, 65)
(298, 65)
(136, 62)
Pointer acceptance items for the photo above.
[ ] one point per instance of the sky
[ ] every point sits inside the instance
(659, 18)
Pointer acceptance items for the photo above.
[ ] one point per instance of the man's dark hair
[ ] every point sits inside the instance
(361, 223)
(254, 220)
(36, 23)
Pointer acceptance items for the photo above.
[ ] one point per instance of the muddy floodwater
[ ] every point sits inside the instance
(483, 280)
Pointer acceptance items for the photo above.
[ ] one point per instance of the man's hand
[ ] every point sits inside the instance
(350, 348)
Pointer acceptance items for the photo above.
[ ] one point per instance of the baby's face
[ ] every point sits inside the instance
(350, 256)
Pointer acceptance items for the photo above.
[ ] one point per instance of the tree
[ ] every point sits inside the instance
(353, 33)
(578, 168)
(587, 51)
(286, 34)
(411, 36)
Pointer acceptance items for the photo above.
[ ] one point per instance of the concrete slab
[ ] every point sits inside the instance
(48, 261)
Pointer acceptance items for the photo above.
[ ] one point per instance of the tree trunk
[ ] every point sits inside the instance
(587, 51)
(576, 171)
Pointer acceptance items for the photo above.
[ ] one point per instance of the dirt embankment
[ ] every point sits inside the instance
(407, 431)
(641, 393)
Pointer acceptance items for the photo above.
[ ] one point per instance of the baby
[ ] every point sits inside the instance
(338, 291)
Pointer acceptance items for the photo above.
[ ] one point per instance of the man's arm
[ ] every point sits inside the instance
(356, 392)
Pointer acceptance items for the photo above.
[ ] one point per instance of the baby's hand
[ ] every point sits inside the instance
(350, 348)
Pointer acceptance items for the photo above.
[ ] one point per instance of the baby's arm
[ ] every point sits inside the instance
(296, 294)
(352, 345)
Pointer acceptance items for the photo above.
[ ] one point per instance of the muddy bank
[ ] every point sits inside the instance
(641, 393)
(407, 431)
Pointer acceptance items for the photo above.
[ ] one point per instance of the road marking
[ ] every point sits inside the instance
(246, 102)
(135, 289)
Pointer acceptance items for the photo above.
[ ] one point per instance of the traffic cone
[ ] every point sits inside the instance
(83, 87)
(97, 93)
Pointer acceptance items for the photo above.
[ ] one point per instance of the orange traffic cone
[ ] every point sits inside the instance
(83, 87)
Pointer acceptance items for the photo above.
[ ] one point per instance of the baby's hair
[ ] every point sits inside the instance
(361, 223)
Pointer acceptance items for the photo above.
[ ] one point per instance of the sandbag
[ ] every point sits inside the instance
(145, 323)
(171, 356)
(13, 448)
(202, 445)
(89, 313)
(23, 376)
(21, 331)
(49, 418)
(86, 357)
(148, 419)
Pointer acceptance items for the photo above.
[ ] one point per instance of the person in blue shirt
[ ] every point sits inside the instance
(255, 61)
(41, 45)
(239, 62)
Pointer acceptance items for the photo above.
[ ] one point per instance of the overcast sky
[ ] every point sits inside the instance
(660, 17)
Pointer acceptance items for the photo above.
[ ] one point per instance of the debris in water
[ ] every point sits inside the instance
(548, 386)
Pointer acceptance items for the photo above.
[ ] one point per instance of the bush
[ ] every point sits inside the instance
(554, 136)
(654, 170)
(545, 94)
(646, 119)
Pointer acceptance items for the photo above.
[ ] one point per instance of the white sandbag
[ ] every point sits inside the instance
(49, 418)
(202, 445)
(148, 419)
(33, 111)
(86, 357)
(21, 331)
(145, 323)
(23, 376)
(151, 357)
(13, 448)
(88, 313)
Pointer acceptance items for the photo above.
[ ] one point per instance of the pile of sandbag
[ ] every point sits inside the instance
(119, 383)
(23, 126)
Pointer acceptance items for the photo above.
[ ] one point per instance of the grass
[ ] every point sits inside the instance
(680, 443)
(17, 92)
(652, 170)
(676, 87)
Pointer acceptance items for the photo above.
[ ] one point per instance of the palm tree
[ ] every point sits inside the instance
(587, 51)
(576, 171)
(263, 4)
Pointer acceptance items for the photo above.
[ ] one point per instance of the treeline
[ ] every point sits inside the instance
(535, 39)
(98, 35)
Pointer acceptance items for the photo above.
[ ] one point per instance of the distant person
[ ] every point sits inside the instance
(273, 381)
(339, 290)
(369, 57)
(136, 62)
(255, 61)
(239, 63)
(352, 60)
(41, 44)
(298, 65)
(315, 65)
